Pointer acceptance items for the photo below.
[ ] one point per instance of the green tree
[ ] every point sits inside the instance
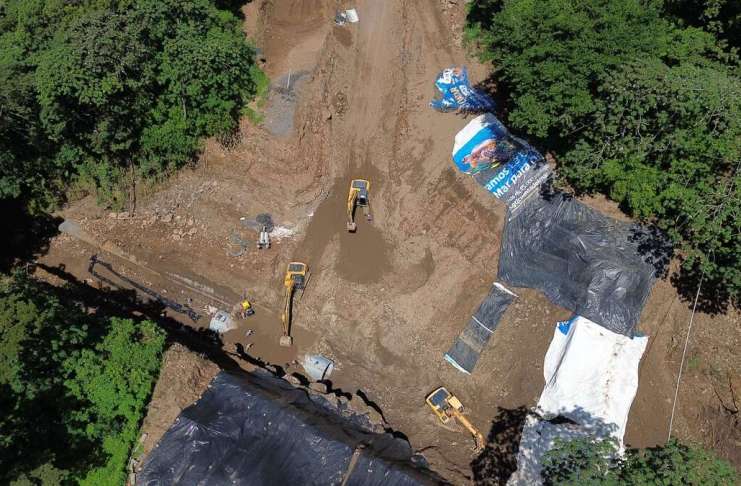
(581, 462)
(636, 106)
(551, 54)
(595, 462)
(666, 145)
(722, 17)
(114, 380)
(37, 333)
(73, 387)
(93, 92)
(100, 93)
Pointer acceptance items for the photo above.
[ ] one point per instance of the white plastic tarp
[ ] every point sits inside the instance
(591, 378)
(538, 437)
(591, 375)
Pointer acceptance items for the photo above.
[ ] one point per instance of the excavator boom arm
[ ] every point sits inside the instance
(351, 200)
(477, 436)
(287, 308)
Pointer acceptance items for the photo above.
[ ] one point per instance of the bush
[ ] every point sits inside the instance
(74, 387)
(595, 462)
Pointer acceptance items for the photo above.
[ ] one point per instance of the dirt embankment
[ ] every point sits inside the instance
(386, 302)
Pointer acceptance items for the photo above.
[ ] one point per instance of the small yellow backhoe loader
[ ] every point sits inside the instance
(359, 196)
(446, 406)
(294, 280)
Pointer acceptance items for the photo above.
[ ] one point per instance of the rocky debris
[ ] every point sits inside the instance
(319, 387)
(292, 380)
(340, 103)
(150, 221)
(180, 233)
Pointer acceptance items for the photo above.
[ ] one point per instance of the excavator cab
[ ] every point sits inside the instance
(447, 406)
(295, 279)
(246, 309)
(359, 196)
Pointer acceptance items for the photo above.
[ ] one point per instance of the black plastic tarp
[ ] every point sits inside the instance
(582, 260)
(470, 343)
(259, 430)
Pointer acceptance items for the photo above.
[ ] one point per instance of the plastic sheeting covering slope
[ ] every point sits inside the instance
(470, 343)
(260, 430)
(456, 93)
(591, 376)
(591, 379)
(581, 259)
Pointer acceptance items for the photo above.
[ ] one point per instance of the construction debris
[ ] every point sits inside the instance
(222, 322)
(317, 366)
(343, 17)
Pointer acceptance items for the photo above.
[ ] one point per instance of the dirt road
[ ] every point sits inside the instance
(386, 302)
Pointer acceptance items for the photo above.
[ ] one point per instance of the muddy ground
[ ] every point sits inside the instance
(386, 302)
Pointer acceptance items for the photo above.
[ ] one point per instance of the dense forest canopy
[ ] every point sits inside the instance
(639, 100)
(74, 386)
(96, 94)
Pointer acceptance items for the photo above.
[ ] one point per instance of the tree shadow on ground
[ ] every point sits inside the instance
(525, 435)
(653, 246)
(26, 236)
(656, 249)
(714, 297)
(496, 463)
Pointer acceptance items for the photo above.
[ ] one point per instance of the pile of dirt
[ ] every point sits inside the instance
(184, 377)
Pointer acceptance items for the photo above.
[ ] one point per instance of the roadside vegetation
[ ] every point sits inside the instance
(638, 100)
(96, 95)
(595, 462)
(74, 386)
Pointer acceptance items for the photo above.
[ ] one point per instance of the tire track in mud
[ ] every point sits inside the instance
(357, 148)
(381, 300)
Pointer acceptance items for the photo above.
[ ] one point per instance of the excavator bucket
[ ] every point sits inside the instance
(286, 341)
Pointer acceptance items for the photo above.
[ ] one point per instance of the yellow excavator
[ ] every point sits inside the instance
(294, 280)
(359, 196)
(447, 406)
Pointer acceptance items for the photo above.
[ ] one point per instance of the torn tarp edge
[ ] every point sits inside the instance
(455, 364)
